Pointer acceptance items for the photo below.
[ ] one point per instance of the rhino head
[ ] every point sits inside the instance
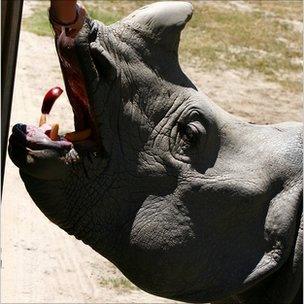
(190, 202)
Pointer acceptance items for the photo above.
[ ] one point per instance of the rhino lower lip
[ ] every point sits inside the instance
(48, 144)
(21, 137)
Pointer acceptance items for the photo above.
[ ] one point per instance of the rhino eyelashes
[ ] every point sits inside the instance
(191, 132)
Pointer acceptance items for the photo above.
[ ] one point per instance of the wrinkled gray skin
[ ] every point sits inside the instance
(188, 201)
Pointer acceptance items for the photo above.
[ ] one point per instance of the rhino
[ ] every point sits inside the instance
(190, 202)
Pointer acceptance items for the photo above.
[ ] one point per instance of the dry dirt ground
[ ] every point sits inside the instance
(40, 262)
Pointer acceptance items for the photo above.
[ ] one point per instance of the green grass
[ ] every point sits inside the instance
(262, 40)
(286, 9)
(217, 36)
(38, 23)
(118, 283)
(106, 17)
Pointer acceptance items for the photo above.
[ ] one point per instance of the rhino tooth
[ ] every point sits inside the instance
(42, 120)
(54, 132)
(78, 135)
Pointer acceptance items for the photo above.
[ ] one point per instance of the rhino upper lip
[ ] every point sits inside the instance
(76, 91)
(84, 124)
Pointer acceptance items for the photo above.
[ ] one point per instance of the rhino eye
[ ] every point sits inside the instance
(191, 132)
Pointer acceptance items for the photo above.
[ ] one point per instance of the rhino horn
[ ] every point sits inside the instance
(162, 22)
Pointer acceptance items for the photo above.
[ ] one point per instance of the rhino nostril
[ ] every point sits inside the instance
(93, 33)
(18, 137)
(19, 129)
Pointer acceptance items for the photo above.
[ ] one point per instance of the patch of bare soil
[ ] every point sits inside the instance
(248, 95)
(40, 262)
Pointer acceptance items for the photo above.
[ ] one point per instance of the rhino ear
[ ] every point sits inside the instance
(161, 21)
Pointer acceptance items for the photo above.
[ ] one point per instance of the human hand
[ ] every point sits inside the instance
(67, 14)
(64, 11)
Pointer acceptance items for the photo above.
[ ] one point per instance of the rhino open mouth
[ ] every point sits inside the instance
(45, 140)
(47, 136)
